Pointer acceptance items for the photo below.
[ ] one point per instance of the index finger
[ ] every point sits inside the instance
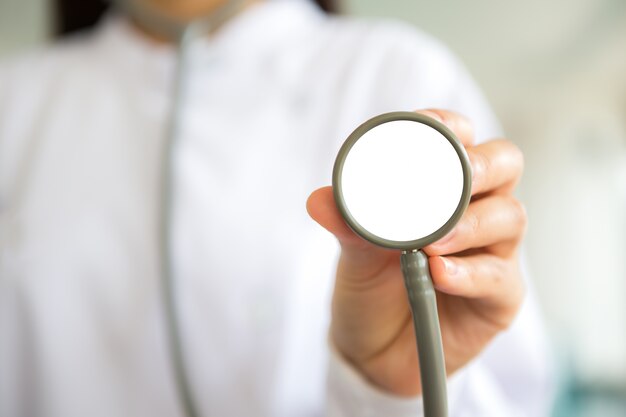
(497, 166)
(458, 124)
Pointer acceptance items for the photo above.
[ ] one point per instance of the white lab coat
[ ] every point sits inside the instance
(270, 98)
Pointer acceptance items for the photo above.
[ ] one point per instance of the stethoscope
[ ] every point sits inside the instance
(182, 33)
(401, 181)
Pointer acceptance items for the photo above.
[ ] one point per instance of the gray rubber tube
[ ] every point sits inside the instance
(419, 286)
(182, 33)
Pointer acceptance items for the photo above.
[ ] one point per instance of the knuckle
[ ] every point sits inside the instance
(473, 223)
(480, 165)
(505, 322)
(472, 275)
(517, 300)
(514, 155)
(511, 293)
(519, 215)
(517, 157)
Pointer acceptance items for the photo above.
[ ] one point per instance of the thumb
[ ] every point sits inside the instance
(358, 257)
(322, 208)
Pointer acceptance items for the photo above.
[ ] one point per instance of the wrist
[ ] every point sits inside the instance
(389, 370)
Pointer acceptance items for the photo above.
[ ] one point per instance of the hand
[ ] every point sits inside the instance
(474, 269)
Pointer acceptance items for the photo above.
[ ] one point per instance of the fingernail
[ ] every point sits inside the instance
(432, 115)
(452, 268)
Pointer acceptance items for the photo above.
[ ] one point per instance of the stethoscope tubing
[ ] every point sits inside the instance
(182, 34)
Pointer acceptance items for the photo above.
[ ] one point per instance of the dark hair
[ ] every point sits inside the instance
(73, 15)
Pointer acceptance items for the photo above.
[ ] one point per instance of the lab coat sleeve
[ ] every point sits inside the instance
(473, 391)
(512, 376)
(351, 395)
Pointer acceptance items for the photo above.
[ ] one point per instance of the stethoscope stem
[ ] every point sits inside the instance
(423, 302)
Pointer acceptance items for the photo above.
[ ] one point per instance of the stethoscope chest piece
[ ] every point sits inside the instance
(402, 181)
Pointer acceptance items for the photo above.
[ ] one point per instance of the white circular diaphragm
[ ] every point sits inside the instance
(402, 181)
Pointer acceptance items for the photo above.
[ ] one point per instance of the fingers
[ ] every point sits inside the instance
(497, 166)
(457, 123)
(478, 276)
(496, 222)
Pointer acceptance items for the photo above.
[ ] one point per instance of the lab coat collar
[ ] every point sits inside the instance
(257, 30)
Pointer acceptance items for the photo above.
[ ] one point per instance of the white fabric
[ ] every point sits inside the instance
(270, 99)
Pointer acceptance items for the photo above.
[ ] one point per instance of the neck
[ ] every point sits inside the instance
(163, 25)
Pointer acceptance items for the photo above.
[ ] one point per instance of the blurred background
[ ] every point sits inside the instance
(555, 72)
